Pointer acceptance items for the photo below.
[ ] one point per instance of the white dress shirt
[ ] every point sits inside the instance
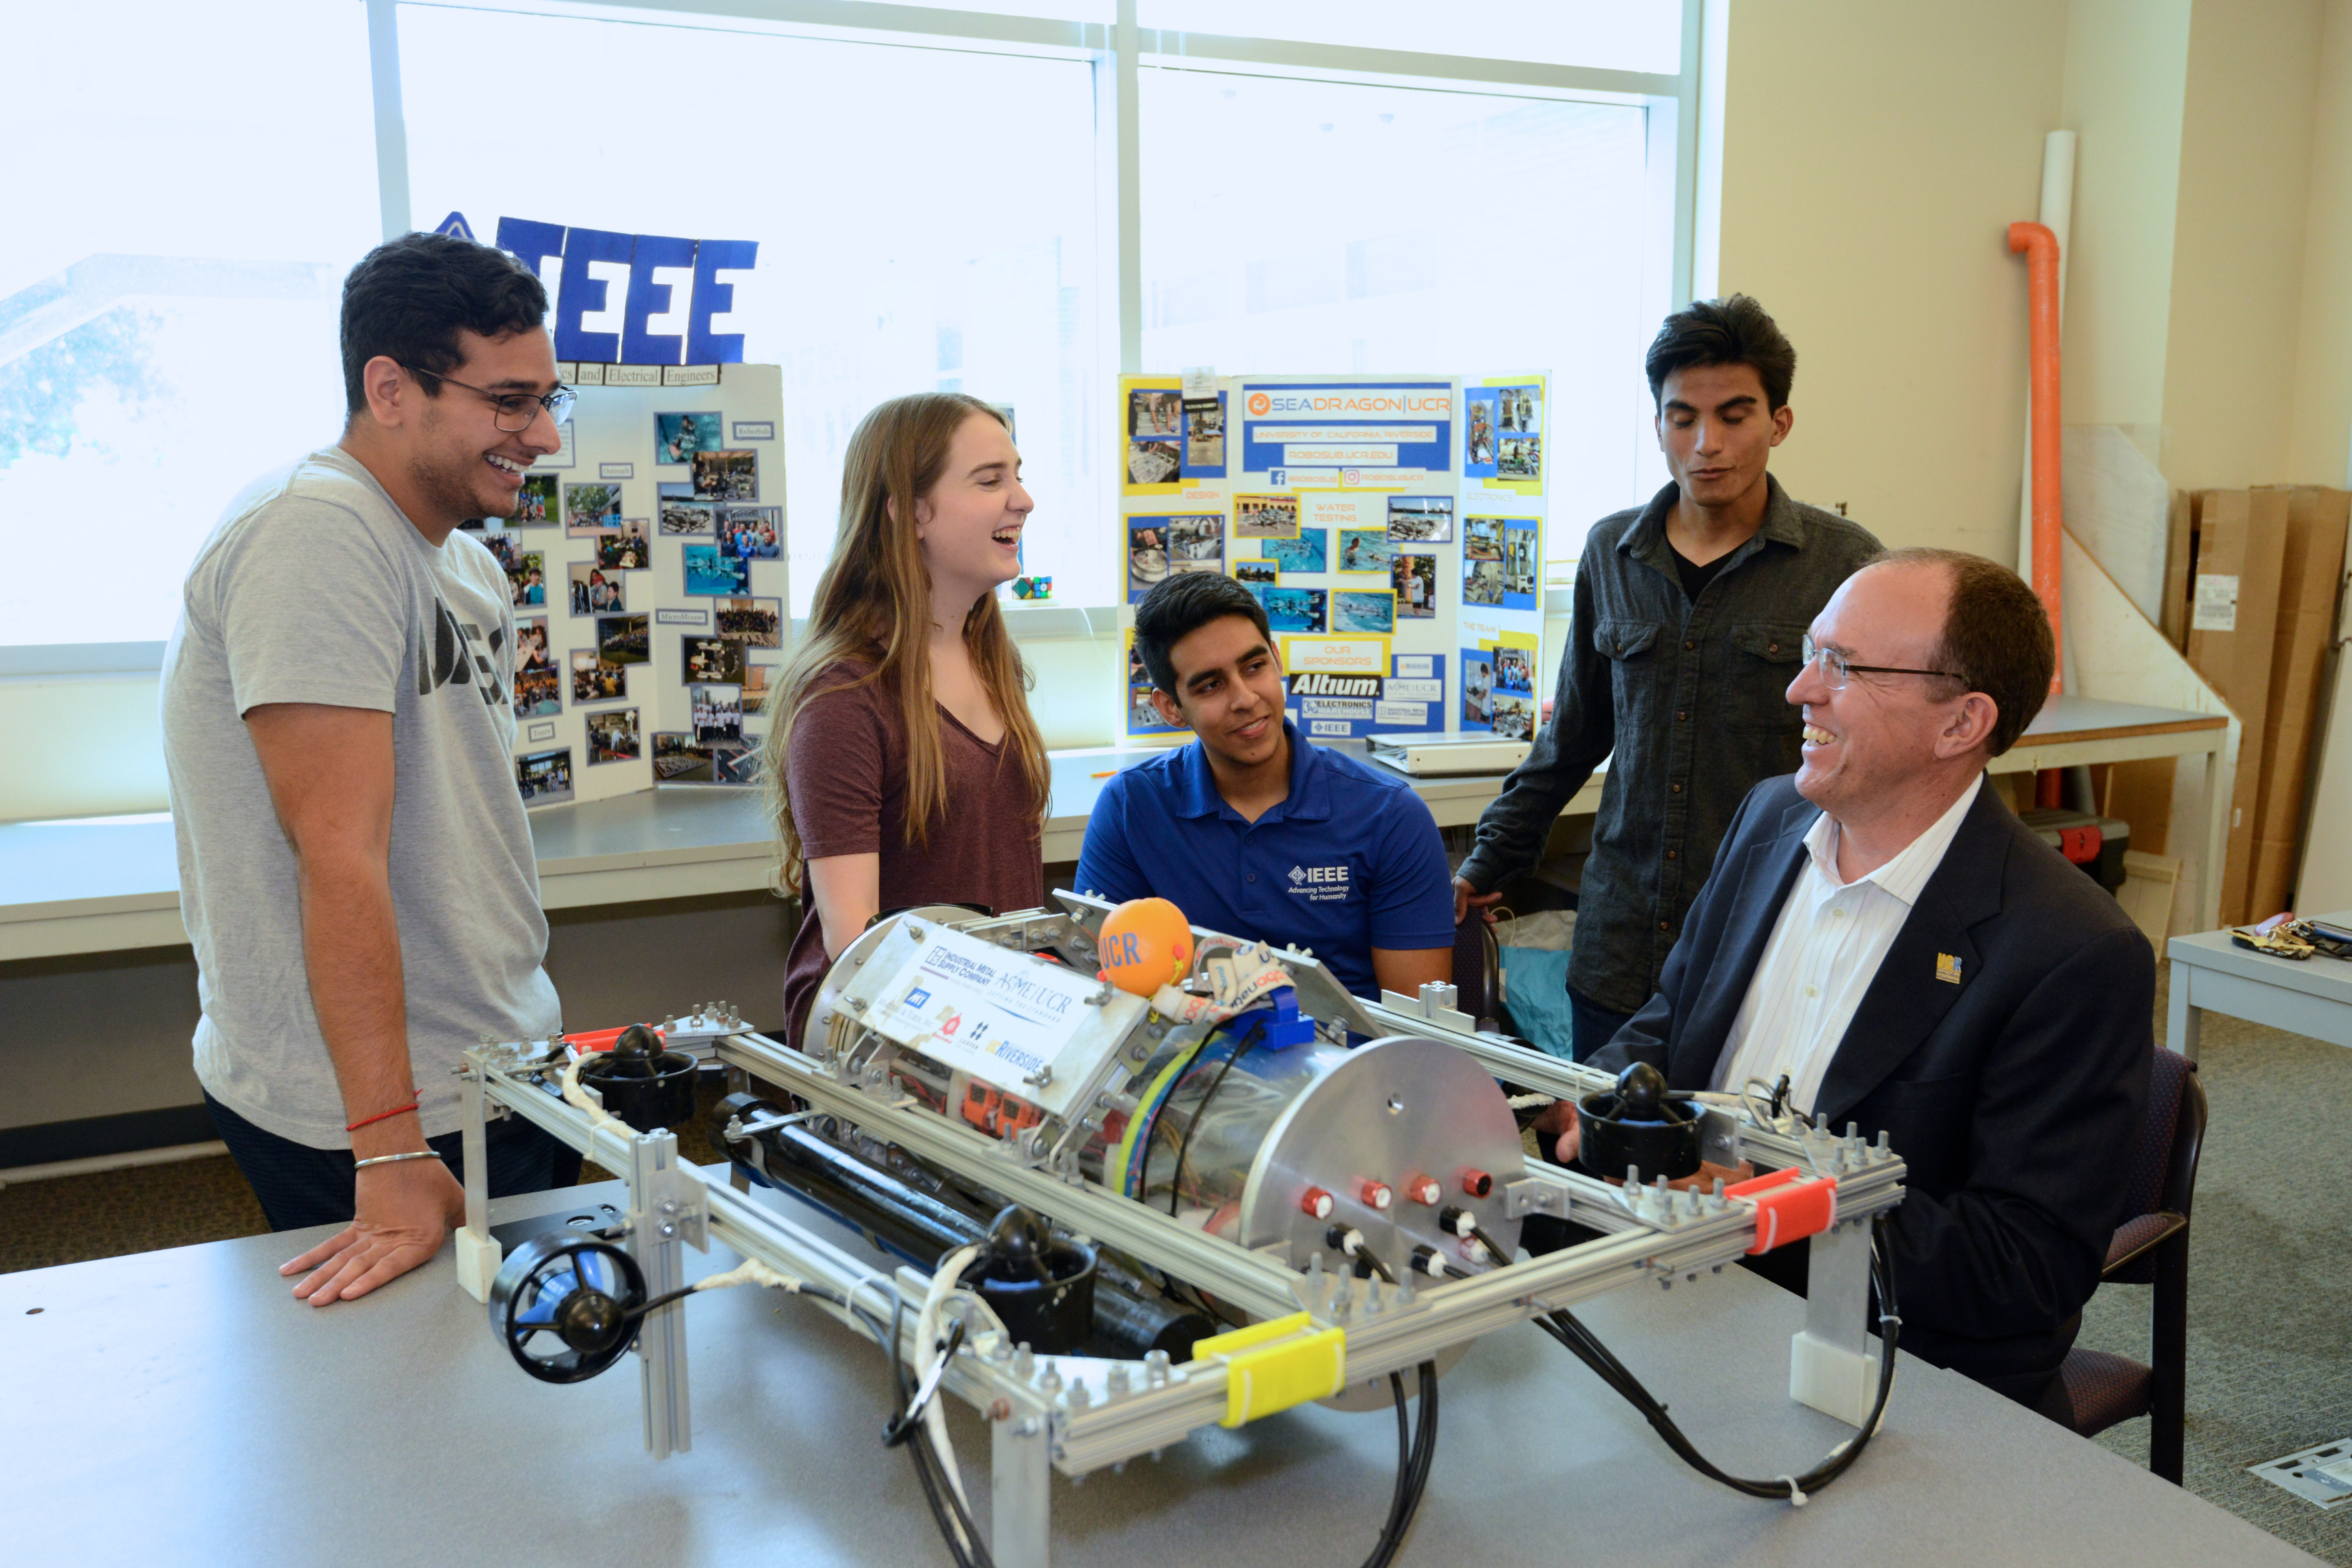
(1824, 951)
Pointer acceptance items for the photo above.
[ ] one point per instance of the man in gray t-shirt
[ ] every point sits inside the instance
(356, 871)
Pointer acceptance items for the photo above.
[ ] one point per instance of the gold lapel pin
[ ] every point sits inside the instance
(1947, 968)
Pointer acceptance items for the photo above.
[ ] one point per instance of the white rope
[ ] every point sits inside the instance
(574, 1095)
(927, 1348)
(752, 1272)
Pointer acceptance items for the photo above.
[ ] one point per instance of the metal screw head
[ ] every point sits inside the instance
(668, 1229)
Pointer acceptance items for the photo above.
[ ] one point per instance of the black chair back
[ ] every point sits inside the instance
(1477, 972)
(2164, 1163)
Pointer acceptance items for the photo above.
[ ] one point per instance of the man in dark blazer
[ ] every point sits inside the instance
(1880, 933)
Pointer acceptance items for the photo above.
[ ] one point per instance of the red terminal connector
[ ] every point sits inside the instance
(1423, 1190)
(1478, 1184)
(1317, 1203)
(1376, 1194)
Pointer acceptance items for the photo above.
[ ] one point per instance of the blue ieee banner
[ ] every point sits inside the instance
(1345, 425)
(644, 295)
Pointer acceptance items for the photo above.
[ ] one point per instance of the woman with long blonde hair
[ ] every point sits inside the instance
(902, 766)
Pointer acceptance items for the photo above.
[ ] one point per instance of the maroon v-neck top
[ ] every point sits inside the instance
(846, 776)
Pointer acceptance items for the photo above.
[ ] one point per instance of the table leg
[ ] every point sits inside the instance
(2182, 1018)
(1021, 1492)
(477, 1251)
(2217, 843)
(655, 1240)
(1831, 1364)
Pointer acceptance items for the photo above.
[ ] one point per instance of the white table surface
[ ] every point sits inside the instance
(110, 884)
(2309, 996)
(181, 1407)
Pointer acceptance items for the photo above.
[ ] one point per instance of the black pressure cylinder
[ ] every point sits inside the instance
(916, 1226)
(922, 1229)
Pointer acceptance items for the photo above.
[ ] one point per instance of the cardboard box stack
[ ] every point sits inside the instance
(2253, 597)
(2312, 567)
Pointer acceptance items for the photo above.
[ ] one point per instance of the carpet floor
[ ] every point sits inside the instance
(2270, 1274)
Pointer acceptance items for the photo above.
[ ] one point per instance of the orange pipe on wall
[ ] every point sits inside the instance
(2041, 249)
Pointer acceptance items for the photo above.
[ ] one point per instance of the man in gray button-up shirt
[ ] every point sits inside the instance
(1688, 613)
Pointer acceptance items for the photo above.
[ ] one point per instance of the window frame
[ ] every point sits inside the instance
(1684, 112)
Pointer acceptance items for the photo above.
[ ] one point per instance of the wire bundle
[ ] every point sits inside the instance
(1414, 1454)
(1581, 1342)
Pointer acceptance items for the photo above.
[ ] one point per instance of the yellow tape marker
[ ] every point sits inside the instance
(1273, 1365)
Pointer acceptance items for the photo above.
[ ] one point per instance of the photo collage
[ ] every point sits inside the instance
(673, 549)
(1168, 439)
(1410, 569)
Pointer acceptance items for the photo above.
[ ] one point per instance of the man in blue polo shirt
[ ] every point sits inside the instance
(1251, 830)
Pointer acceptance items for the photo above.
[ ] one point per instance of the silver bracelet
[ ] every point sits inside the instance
(388, 1159)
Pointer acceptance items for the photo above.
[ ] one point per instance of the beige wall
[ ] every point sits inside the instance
(2238, 240)
(1873, 157)
(2319, 447)
(2127, 70)
(1873, 153)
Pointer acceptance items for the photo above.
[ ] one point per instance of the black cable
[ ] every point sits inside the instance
(1580, 1342)
(1145, 1139)
(1414, 1466)
(947, 1508)
(653, 1303)
(1242, 1048)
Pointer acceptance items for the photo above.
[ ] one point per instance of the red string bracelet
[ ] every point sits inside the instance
(386, 1116)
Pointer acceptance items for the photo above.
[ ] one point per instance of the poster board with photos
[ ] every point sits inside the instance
(649, 560)
(1340, 502)
(1504, 668)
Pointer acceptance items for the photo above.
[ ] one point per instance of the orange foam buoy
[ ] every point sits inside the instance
(1146, 944)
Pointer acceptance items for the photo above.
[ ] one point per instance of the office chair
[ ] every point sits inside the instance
(2151, 1248)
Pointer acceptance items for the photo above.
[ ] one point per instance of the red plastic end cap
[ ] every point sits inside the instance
(590, 1040)
(1478, 1184)
(1377, 1195)
(1317, 1203)
(1425, 1190)
(1787, 1209)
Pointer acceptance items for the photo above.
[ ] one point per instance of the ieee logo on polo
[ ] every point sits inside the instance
(1320, 884)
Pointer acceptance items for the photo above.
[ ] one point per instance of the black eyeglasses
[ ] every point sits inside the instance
(515, 410)
(1834, 667)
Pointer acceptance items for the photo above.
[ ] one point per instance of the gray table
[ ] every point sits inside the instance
(179, 1406)
(2211, 973)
